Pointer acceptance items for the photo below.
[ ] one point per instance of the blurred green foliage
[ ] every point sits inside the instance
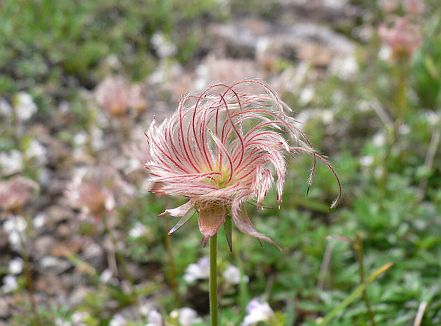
(49, 42)
(427, 68)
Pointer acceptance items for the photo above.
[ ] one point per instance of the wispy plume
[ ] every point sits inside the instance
(222, 148)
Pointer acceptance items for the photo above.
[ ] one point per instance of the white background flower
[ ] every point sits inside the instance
(15, 226)
(9, 284)
(232, 275)
(15, 266)
(154, 319)
(11, 162)
(198, 271)
(257, 311)
(37, 151)
(185, 316)
(24, 106)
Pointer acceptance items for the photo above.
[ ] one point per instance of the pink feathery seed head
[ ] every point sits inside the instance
(96, 190)
(222, 148)
(403, 37)
(389, 6)
(116, 97)
(16, 192)
(414, 7)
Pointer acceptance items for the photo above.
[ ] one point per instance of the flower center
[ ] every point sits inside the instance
(220, 180)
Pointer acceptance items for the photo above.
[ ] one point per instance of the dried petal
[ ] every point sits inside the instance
(210, 220)
(243, 223)
(179, 211)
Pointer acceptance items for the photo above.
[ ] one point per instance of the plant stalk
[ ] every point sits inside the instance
(28, 274)
(119, 257)
(400, 110)
(401, 92)
(213, 281)
(358, 247)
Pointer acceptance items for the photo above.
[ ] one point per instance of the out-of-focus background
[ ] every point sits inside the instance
(81, 242)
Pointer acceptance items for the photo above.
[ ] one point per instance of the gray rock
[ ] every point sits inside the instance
(58, 213)
(309, 42)
(78, 295)
(255, 38)
(4, 308)
(240, 38)
(42, 246)
(94, 255)
(329, 11)
(4, 240)
(54, 264)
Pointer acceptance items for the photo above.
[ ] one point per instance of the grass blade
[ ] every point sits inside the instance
(354, 295)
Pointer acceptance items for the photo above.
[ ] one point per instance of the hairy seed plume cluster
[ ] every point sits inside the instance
(222, 148)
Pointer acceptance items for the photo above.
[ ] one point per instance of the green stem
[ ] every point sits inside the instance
(391, 139)
(400, 112)
(213, 281)
(401, 100)
(119, 257)
(28, 274)
(16, 129)
(358, 246)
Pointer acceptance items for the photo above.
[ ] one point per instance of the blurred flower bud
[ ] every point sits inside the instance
(414, 7)
(96, 190)
(15, 193)
(388, 6)
(402, 37)
(116, 97)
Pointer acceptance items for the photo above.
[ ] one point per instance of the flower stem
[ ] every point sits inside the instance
(401, 92)
(28, 273)
(119, 258)
(359, 252)
(430, 157)
(30, 289)
(213, 281)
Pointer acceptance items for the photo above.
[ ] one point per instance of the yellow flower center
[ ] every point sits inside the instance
(219, 180)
